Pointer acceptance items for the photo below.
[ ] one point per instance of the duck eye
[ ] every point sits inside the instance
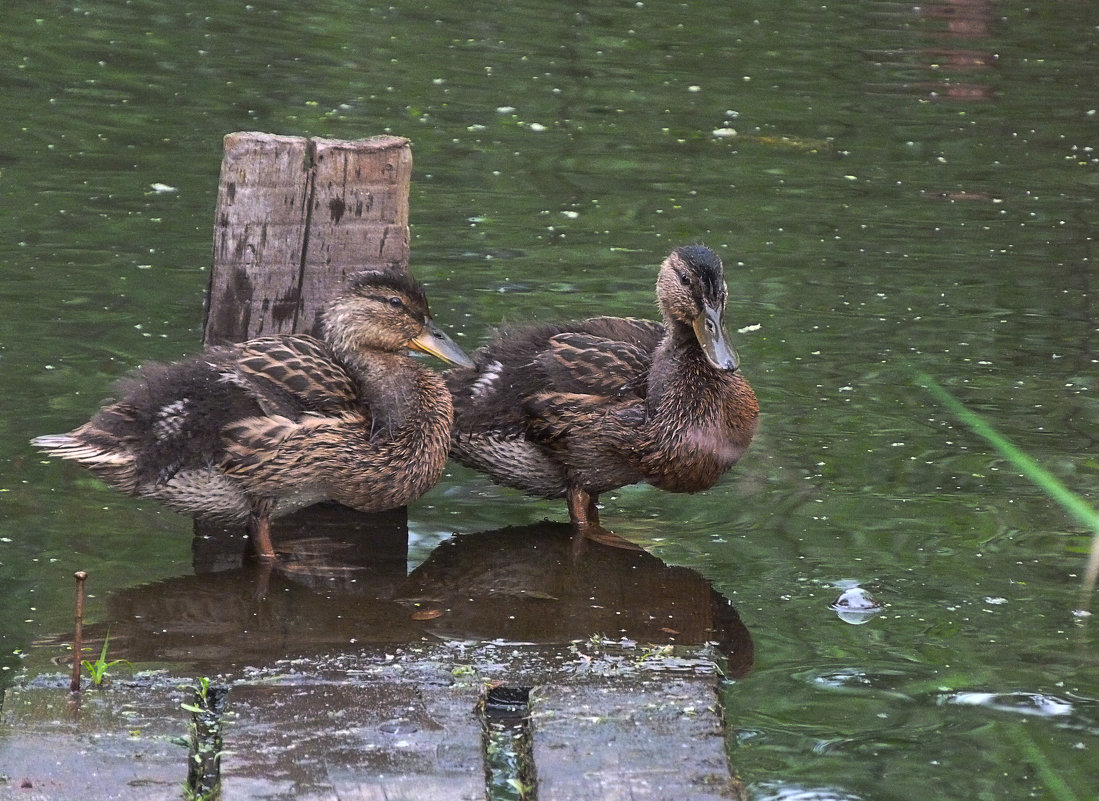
(395, 302)
(684, 279)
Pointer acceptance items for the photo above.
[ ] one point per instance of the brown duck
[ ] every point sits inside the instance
(576, 409)
(253, 431)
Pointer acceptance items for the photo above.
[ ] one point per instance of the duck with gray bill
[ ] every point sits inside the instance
(572, 410)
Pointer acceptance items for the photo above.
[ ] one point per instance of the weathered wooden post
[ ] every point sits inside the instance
(294, 217)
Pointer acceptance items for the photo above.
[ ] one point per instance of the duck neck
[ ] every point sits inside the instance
(388, 385)
(677, 359)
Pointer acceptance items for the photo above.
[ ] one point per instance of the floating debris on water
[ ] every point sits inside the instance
(1021, 703)
(856, 606)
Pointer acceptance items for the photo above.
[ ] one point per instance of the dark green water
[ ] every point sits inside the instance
(892, 188)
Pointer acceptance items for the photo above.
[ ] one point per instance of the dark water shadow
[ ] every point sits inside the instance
(344, 589)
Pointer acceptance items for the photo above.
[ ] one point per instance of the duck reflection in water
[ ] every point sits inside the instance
(517, 585)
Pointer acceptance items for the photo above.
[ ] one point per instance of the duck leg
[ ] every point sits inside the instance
(582, 507)
(259, 529)
(584, 514)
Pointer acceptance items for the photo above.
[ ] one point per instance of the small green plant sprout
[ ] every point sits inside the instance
(197, 795)
(520, 787)
(202, 691)
(98, 669)
(204, 742)
(656, 652)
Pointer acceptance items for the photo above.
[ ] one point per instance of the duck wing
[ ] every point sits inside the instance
(601, 356)
(607, 356)
(594, 365)
(296, 373)
(256, 448)
(166, 416)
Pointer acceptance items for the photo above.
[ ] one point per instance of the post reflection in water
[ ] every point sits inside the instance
(951, 44)
(346, 588)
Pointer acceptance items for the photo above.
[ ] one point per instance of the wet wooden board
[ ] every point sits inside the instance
(105, 744)
(359, 740)
(364, 727)
(626, 740)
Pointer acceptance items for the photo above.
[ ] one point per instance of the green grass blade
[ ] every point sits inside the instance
(1049, 483)
(1058, 788)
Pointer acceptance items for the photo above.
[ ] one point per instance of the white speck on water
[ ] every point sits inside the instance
(749, 328)
(572, 215)
(162, 188)
(694, 88)
(537, 126)
(997, 601)
(724, 133)
(505, 109)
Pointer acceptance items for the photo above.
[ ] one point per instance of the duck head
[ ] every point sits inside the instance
(386, 311)
(691, 291)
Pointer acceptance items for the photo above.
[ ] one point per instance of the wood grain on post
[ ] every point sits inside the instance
(294, 217)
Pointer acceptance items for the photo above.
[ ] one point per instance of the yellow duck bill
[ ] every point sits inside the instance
(433, 341)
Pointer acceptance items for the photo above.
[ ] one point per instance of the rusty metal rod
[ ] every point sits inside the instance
(78, 635)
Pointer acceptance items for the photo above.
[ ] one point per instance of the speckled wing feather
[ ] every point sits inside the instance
(645, 334)
(593, 365)
(602, 356)
(298, 370)
(257, 452)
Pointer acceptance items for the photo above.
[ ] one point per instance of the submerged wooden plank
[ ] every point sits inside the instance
(401, 722)
(659, 739)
